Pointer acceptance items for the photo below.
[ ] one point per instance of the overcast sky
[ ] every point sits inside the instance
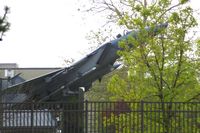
(45, 32)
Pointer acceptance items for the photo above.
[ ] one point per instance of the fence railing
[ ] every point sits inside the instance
(100, 117)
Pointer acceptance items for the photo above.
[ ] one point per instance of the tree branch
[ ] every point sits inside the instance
(148, 65)
(193, 98)
(178, 69)
(4, 23)
(167, 11)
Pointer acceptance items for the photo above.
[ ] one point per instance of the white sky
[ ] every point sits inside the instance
(45, 32)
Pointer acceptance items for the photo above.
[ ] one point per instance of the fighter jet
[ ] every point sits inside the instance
(67, 81)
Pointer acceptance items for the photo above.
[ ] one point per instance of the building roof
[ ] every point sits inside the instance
(8, 65)
(25, 73)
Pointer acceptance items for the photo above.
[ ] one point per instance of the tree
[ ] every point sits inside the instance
(4, 24)
(161, 68)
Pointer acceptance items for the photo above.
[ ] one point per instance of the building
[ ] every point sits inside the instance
(11, 74)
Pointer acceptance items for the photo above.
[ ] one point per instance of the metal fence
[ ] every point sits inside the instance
(100, 117)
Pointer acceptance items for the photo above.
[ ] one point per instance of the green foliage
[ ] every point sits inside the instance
(162, 67)
(183, 1)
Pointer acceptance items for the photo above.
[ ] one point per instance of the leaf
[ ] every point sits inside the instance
(183, 1)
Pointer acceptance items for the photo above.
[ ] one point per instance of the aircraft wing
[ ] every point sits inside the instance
(25, 87)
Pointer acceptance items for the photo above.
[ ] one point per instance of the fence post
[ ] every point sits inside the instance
(142, 116)
(2, 115)
(80, 111)
(1, 107)
(86, 116)
(32, 117)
